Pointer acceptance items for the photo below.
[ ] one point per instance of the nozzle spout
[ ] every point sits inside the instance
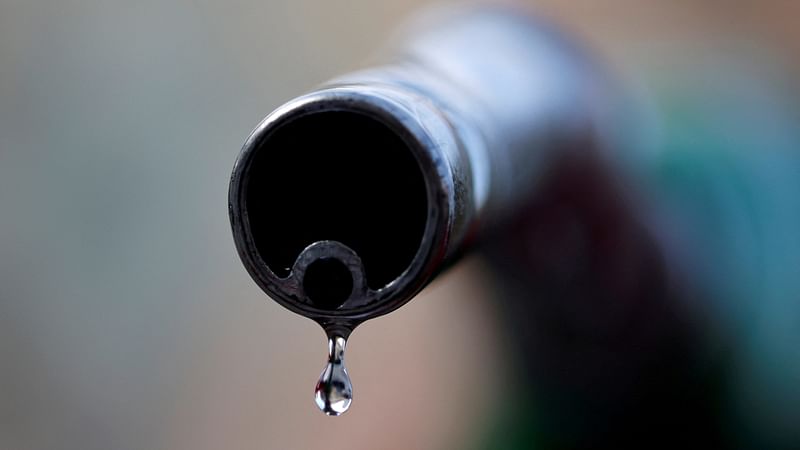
(347, 201)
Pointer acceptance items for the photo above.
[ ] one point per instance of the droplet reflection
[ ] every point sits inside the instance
(334, 390)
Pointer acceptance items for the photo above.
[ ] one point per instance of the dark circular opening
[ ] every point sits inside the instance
(327, 283)
(342, 176)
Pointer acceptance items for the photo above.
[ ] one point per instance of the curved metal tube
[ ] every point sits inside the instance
(383, 177)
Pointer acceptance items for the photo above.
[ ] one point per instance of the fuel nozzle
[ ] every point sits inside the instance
(347, 201)
(342, 205)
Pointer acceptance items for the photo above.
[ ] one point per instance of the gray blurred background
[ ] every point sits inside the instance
(126, 319)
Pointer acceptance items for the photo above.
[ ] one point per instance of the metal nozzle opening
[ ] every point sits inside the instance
(328, 283)
(336, 176)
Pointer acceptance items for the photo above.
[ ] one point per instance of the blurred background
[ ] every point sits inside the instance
(127, 321)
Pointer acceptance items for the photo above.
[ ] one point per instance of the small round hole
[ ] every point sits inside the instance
(327, 283)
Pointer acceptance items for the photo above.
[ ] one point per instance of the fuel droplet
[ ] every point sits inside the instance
(334, 390)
